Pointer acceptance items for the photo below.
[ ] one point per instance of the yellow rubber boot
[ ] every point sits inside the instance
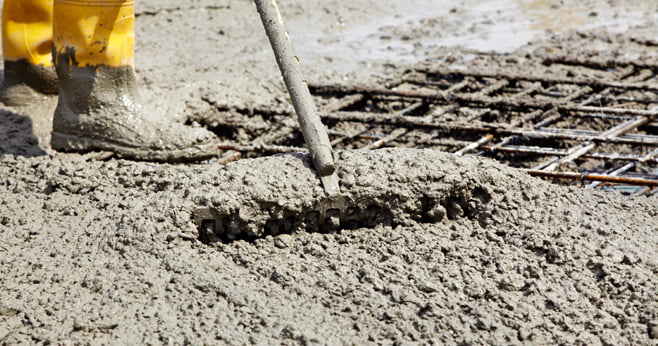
(98, 32)
(26, 50)
(99, 107)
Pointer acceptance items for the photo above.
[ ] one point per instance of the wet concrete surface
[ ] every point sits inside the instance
(399, 32)
(109, 251)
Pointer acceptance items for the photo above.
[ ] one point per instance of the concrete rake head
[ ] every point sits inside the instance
(280, 194)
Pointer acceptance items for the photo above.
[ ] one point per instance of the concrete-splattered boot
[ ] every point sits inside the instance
(26, 51)
(99, 106)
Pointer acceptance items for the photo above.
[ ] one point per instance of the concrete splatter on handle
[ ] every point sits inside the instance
(315, 134)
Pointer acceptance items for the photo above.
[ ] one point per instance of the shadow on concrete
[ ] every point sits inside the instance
(25, 131)
(17, 135)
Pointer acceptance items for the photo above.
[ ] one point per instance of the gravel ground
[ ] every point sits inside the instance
(108, 252)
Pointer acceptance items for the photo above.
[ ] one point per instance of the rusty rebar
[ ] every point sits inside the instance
(585, 147)
(496, 129)
(482, 101)
(594, 177)
(600, 64)
(590, 82)
(261, 148)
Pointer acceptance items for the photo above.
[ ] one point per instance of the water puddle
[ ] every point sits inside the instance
(410, 29)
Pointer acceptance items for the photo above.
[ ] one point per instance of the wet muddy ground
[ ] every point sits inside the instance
(455, 250)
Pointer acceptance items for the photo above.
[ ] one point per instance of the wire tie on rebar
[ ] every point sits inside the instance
(581, 179)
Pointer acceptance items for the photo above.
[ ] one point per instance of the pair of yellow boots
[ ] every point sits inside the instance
(84, 51)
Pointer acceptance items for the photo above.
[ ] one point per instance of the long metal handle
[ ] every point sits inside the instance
(314, 132)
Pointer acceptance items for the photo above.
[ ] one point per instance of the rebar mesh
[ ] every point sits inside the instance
(572, 127)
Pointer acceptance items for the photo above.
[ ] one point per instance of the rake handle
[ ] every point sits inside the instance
(314, 132)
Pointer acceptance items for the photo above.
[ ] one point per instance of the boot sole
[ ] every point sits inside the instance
(81, 144)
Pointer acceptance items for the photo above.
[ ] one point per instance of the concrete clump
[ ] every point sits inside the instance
(108, 252)
(405, 187)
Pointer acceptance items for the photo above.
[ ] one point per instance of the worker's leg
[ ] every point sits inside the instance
(99, 107)
(26, 50)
